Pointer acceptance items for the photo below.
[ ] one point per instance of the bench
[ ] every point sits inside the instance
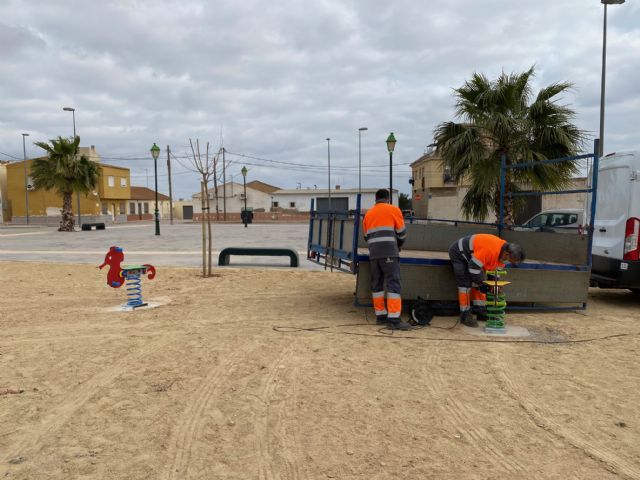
(223, 259)
(87, 226)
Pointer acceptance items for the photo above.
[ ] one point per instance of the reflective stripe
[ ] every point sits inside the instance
(473, 271)
(393, 315)
(460, 246)
(401, 231)
(465, 308)
(377, 294)
(471, 243)
(475, 260)
(381, 312)
(393, 295)
(380, 229)
(463, 290)
(480, 303)
(381, 239)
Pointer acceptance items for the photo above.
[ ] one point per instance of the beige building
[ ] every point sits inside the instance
(436, 196)
(106, 203)
(142, 204)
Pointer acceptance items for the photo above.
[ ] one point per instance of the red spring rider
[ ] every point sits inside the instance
(119, 274)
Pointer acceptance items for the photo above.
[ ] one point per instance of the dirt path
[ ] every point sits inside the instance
(205, 387)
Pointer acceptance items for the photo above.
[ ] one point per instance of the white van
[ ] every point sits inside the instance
(567, 220)
(616, 251)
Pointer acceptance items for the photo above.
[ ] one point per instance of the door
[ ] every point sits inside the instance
(612, 211)
(187, 212)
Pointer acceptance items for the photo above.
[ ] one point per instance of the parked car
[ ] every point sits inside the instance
(616, 249)
(568, 220)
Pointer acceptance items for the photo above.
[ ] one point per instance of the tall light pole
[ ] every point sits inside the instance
(245, 216)
(73, 112)
(604, 68)
(391, 145)
(26, 178)
(155, 152)
(360, 130)
(329, 173)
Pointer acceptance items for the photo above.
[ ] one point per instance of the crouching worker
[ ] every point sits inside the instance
(385, 232)
(472, 256)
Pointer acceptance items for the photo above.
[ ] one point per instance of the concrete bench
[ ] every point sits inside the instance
(223, 259)
(99, 226)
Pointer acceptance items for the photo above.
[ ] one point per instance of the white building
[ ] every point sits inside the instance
(341, 199)
(231, 197)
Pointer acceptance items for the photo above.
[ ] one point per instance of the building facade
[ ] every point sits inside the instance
(103, 204)
(142, 204)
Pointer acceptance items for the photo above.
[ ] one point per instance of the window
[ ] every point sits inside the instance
(275, 204)
(146, 207)
(123, 182)
(538, 221)
(123, 208)
(111, 181)
(132, 208)
(292, 204)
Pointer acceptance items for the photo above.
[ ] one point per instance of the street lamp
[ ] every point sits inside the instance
(245, 215)
(360, 130)
(73, 112)
(26, 178)
(329, 173)
(391, 145)
(155, 152)
(604, 66)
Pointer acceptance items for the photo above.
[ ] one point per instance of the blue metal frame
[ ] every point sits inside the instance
(593, 190)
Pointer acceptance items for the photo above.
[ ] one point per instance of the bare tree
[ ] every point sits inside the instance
(206, 168)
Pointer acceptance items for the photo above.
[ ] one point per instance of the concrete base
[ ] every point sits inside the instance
(511, 331)
(126, 308)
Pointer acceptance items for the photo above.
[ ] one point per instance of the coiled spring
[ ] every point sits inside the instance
(134, 289)
(496, 304)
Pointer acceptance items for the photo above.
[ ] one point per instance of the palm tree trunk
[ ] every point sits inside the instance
(67, 220)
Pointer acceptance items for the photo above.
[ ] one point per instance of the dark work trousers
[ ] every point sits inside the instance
(386, 271)
(460, 267)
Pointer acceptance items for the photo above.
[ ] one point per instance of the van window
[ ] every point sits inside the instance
(538, 221)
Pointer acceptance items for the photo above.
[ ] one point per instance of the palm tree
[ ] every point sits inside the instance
(65, 172)
(500, 118)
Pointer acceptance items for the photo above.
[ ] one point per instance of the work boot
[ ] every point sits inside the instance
(466, 318)
(481, 314)
(381, 320)
(398, 324)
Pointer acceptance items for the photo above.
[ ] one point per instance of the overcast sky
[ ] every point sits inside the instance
(275, 79)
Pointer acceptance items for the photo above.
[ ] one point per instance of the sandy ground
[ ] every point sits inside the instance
(204, 387)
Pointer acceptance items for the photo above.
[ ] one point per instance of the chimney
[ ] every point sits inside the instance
(93, 147)
(337, 187)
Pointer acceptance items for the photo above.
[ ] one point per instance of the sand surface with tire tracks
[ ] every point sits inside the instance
(204, 386)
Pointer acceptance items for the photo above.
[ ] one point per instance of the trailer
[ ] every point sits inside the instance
(555, 275)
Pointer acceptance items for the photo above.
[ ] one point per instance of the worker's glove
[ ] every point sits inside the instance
(484, 288)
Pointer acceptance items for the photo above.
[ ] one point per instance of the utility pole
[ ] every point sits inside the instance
(170, 190)
(224, 186)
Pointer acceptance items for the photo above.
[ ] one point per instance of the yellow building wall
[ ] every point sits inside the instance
(41, 200)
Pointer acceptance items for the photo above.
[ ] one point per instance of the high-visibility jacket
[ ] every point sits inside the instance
(384, 230)
(482, 252)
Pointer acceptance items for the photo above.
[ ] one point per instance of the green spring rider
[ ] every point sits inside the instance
(496, 302)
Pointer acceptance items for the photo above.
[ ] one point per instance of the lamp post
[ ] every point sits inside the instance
(155, 152)
(391, 145)
(245, 215)
(604, 67)
(360, 130)
(73, 112)
(26, 178)
(329, 175)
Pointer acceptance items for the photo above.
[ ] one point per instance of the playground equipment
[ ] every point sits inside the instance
(119, 274)
(496, 302)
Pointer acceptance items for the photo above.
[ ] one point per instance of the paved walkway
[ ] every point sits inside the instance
(177, 245)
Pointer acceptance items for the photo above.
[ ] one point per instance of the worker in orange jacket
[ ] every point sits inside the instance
(385, 232)
(471, 257)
